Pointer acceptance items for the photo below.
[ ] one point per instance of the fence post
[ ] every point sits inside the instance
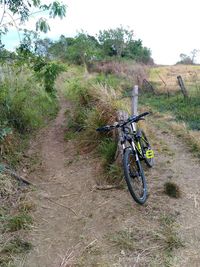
(182, 86)
(134, 101)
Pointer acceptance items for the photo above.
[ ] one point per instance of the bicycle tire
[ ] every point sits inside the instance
(139, 176)
(145, 145)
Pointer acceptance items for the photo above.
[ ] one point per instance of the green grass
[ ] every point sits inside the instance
(18, 222)
(107, 149)
(185, 110)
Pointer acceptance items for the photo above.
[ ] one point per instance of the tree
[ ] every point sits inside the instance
(136, 51)
(21, 10)
(194, 53)
(83, 49)
(185, 59)
(114, 41)
(120, 42)
(58, 49)
(42, 47)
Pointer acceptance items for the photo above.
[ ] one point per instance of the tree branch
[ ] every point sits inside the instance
(4, 11)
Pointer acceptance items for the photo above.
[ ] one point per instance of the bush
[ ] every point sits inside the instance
(25, 105)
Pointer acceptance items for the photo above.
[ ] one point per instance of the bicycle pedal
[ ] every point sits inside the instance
(149, 154)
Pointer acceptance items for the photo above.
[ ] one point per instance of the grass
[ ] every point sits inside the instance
(172, 189)
(169, 235)
(124, 239)
(17, 109)
(16, 246)
(18, 222)
(95, 104)
(107, 150)
(14, 217)
(184, 110)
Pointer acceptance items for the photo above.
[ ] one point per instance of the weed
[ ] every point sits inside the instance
(172, 189)
(107, 149)
(16, 246)
(26, 206)
(168, 235)
(115, 174)
(123, 239)
(17, 222)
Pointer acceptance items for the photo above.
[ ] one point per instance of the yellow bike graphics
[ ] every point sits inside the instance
(149, 154)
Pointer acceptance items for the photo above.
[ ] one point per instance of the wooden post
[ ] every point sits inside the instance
(182, 86)
(134, 101)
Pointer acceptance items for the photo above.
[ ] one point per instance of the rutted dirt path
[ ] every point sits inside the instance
(76, 225)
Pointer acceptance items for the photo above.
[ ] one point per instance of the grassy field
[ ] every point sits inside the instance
(164, 78)
(168, 97)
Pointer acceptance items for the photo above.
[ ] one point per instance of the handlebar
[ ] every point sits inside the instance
(131, 119)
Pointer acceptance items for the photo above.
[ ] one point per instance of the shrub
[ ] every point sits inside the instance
(24, 103)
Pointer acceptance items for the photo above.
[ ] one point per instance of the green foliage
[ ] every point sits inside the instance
(85, 49)
(120, 42)
(41, 25)
(24, 103)
(114, 41)
(23, 9)
(47, 72)
(79, 92)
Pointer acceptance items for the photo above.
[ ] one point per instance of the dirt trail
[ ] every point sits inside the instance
(76, 225)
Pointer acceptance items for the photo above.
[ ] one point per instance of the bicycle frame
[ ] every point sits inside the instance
(136, 147)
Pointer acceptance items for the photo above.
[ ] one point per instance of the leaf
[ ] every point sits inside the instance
(42, 25)
(57, 10)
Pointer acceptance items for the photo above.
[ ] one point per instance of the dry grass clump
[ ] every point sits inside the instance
(7, 186)
(192, 138)
(131, 70)
(169, 234)
(12, 219)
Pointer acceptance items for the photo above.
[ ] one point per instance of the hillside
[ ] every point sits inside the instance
(78, 225)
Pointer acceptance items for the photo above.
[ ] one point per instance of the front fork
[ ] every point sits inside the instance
(133, 146)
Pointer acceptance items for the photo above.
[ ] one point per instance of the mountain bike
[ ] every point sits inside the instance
(136, 148)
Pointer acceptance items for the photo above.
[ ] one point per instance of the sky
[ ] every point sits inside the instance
(167, 27)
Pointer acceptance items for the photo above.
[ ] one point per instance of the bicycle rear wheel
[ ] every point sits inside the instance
(134, 177)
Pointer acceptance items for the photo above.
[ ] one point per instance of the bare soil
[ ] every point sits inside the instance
(77, 225)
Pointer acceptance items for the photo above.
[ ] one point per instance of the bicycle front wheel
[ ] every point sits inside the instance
(134, 177)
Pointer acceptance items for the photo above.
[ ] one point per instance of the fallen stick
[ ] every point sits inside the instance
(68, 208)
(106, 187)
(7, 170)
